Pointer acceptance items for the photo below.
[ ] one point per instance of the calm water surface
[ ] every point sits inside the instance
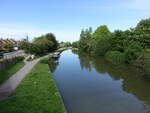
(93, 85)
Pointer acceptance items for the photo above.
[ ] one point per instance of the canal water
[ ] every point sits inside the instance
(94, 85)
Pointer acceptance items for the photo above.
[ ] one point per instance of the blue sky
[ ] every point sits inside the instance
(66, 18)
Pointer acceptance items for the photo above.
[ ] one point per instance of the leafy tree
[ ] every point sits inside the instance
(75, 44)
(101, 32)
(142, 33)
(51, 37)
(85, 40)
(115, 56)
(41, 45)
(35, 49)
(67, 44)
(133, 51)
(44, 44)
(131, 46)
(101, 46)
(8, 46)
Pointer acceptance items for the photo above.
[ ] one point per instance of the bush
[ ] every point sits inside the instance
(146, 64)
(133, 51)
(41, 45)
(75, 44)
(101, 46)
(5, 63)
(116, 56)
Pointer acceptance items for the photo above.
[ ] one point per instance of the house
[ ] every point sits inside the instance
(12, 41)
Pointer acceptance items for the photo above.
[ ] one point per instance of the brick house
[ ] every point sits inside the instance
(12, 41)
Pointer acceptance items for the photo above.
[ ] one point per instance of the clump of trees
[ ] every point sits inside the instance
(85, 40)
(127, 46)
(41, 45)
(75, 44)
(8, 46)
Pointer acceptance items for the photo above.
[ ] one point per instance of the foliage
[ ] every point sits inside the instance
(101, 46)
(116, 56)
(8, 46)
(46, 42)
(41, 45)
(75, 44)
(24, 45)
(101, 32)
(6, 63)
(142, 33)
(67, 44)
(133, 51)
(51, 37)
(122, 46)
(85, 40)
(146, 64)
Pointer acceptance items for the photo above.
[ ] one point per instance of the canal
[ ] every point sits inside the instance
(93, 85)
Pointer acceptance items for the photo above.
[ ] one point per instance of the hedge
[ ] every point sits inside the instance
(7, 62)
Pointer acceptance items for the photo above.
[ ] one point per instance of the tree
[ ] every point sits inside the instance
(142, 33)
(47, 42)
(85, 40)
(117, 41)
(41, 45)
(75, 44)
(101, 46)
(51, 37)
(8, 46)
(67, 44)
(44, 44)
(101, 32)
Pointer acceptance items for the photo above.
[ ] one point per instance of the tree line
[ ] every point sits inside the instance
(130, 46)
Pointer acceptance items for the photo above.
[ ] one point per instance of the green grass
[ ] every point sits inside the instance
(4, 75)
(36, 94)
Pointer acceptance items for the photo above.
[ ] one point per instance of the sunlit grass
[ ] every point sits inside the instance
(36, 94)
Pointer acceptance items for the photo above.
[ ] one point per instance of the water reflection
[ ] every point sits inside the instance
(53, 64)
(94, 85)
(132, 81)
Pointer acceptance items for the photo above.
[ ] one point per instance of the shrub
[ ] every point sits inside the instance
(5, 63)
(115, 56)
(101, 46)
(146, 64)
(133, 51)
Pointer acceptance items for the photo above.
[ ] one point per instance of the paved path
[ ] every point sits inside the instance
(14, 54)
(10, 85)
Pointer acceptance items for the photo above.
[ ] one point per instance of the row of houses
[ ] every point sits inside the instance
(12, 41)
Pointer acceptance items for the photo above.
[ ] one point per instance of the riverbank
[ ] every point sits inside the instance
(36, 93)
(142, 64)
(4, 75)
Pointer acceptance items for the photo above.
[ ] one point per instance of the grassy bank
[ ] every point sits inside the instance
(36, 94)
(4, 75)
